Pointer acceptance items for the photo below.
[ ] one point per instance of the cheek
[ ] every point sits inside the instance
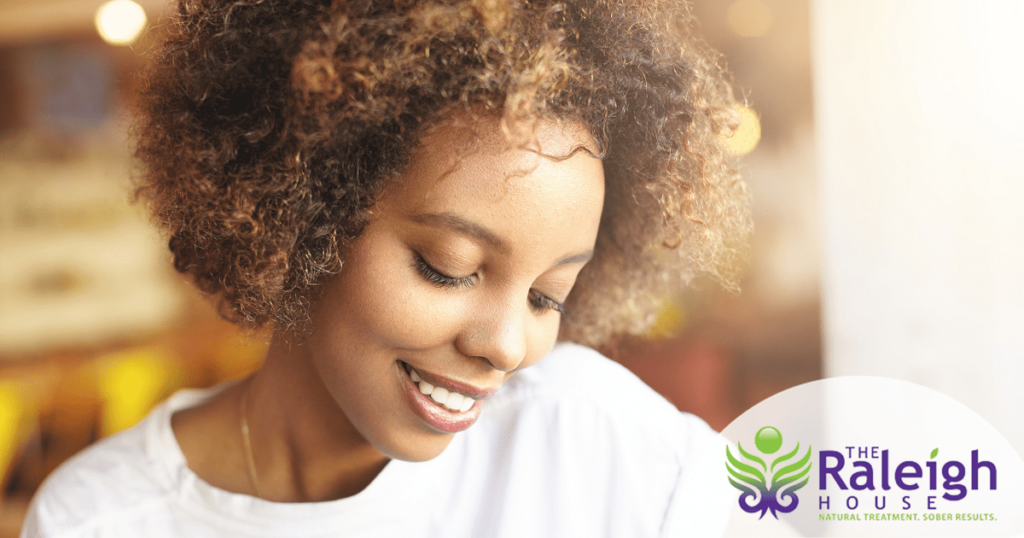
(539, 343)
(380, 297)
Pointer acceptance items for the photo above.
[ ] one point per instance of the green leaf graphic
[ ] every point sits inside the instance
(742, 487)
(781, 459)
(739, 466)
(934, 453)
(751, 457)
(781, 478)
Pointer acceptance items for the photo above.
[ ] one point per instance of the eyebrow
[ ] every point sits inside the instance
(582, 257)
(469, 228)
(462, 226)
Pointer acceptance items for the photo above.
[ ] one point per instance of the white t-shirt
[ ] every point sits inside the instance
(574, 446)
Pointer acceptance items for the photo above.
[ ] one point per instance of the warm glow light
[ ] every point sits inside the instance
(670, 321)
(749, 18)
(120, 21)
(747, 135)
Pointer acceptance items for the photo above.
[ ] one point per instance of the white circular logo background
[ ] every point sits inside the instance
(886, 458)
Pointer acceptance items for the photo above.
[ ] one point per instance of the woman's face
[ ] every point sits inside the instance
(456, 282)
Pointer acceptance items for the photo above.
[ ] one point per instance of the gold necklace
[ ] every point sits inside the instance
(254, 480)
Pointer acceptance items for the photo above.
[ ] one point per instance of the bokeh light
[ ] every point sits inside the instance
(120, 22)
(747, 135)
(749, 18)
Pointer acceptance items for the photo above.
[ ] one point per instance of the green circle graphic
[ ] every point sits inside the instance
(768, 440)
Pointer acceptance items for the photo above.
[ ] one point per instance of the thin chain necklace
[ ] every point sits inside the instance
(254, 480)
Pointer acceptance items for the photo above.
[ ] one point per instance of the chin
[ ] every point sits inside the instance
(416, 447)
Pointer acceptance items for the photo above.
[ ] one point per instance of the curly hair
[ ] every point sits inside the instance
(267, 129)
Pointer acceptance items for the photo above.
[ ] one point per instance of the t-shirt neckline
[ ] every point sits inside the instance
(399, 484)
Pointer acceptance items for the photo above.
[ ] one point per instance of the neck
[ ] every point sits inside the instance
(304, 447)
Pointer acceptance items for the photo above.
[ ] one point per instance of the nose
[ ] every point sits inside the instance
(496, 333)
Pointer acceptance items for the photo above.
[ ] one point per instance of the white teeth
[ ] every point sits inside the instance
(440, 395)
(453, 401)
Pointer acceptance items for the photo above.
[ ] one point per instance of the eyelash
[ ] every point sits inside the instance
(437, 277)
(538, 300)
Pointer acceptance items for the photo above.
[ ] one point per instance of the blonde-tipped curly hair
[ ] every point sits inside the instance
(267, 128)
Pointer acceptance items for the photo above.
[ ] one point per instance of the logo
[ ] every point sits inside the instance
(758, 494)
(889, 458)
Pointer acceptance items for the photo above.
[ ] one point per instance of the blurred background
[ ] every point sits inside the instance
(880, 144)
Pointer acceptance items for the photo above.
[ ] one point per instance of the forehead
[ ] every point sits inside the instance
(469, 168)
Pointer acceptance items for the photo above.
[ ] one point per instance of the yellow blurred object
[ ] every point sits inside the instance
(120, 22)
(17, 420)
(131, 383)
(670, 321)
(747, 135)
(749, 18)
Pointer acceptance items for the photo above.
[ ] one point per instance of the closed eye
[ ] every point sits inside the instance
(437, 277)
(541, 302)
(538, 301)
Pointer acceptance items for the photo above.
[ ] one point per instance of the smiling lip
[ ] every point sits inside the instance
(452, 385)
(434, 415)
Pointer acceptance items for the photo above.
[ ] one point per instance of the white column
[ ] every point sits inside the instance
(920, 127)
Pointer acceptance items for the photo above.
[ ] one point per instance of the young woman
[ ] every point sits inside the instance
(422, 199)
